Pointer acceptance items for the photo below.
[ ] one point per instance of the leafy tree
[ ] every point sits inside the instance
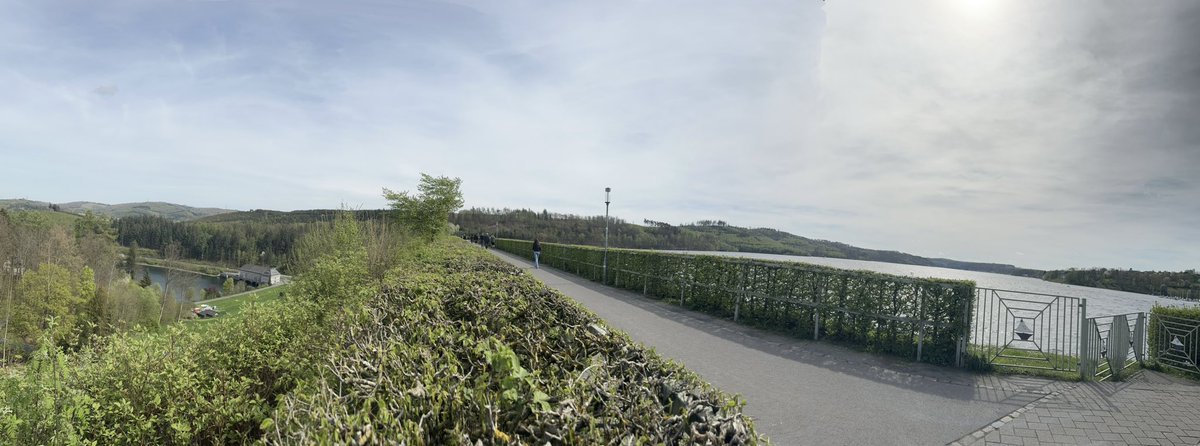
(227, 287)
(145, 282)
(340, 270)
(427, 213)
(131, 258)
(45, 292)
(94, 224)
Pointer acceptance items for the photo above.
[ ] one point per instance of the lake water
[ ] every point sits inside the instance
(196, 282)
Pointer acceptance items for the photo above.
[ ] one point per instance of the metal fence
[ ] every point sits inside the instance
(1003, 327)
(802, 299)
(1111, 344)
(1027, 330)
(1174, 342)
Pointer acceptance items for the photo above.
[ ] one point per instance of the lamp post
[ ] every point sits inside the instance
(604, 278)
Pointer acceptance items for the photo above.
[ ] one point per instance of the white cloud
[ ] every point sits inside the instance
(930, 127)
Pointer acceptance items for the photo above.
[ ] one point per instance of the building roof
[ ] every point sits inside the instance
(263, 270)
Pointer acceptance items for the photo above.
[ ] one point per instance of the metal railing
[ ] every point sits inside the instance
(743, 294)
(1027, 330)
(1006, 328)
(1174, 342)
(1112, 344)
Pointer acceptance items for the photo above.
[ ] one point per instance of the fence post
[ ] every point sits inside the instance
(1139, 338)
(1085, 347)
(737, 303)
(681, 285)
(920, 340)
(964, 335)
(816, 322)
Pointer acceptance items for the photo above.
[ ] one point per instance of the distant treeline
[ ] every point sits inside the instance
(704, 235)
(1184, 284)
(305, 216)
(259, 237)
(231, 244)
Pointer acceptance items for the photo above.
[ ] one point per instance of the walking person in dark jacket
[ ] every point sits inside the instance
(537, 252)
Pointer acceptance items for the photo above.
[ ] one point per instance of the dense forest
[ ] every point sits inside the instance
(704, 235)
(232, 243)
(1185, 285)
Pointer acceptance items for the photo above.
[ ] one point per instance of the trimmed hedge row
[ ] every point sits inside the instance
(879, 312)
(1165, 325)
(460, 348)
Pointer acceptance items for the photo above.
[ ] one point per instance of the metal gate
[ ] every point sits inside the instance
(1027, 330)
(1175, 342)
(1111, 344)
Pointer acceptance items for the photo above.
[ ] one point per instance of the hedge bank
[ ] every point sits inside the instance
(878, 312)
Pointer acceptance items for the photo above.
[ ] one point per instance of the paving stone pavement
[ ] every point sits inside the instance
(1147, 409)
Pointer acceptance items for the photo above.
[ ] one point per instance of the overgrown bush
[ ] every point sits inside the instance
(457, 348)
(178, 386)
(461, 348)
(879, 312)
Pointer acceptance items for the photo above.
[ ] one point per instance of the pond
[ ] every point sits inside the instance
(197, 283)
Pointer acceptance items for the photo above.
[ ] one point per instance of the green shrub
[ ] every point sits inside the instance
(461, 348)
(457, 348)
(879, 312)
(178, 386)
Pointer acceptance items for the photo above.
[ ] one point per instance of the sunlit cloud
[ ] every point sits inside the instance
(1049, 135)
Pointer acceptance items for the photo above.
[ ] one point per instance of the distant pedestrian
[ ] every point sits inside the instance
(537, 252)
(487, 240)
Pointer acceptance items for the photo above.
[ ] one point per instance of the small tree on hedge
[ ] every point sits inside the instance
(427, 213)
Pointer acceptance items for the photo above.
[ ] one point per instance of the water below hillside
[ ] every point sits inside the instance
(1100, 302)
(197, 283)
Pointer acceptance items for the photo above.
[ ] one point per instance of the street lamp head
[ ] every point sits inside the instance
(606, 191)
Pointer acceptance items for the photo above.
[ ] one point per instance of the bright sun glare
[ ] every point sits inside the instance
(976, 8)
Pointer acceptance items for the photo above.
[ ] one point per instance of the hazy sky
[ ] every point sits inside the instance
(1040, 133)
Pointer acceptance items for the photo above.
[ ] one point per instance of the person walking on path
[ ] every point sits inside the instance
(537, 252)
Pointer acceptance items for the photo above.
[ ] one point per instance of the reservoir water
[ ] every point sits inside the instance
(197, 283)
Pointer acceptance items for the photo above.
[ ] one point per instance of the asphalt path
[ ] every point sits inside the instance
(808, 392)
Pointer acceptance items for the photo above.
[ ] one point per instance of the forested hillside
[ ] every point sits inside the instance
(1185, 284)
(169, 211)
(705, 235)
(230, 244)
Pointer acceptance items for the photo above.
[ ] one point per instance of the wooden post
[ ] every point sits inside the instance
(681, 285)
(737, 303)
(816, 323)
(920, 340)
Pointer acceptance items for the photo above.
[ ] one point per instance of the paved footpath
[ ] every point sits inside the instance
(1148, 409)
(803, 392)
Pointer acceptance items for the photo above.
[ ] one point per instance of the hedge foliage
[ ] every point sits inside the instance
(1168, 323)
(453, 347)
(879, 312)
(462, 348)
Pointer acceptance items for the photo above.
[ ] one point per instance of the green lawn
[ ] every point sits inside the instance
(231, 306)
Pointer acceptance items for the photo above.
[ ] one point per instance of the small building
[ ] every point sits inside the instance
(259, 275)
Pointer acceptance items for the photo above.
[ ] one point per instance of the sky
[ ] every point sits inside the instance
(1045, 134)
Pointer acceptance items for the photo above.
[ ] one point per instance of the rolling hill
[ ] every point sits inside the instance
(170, 211)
